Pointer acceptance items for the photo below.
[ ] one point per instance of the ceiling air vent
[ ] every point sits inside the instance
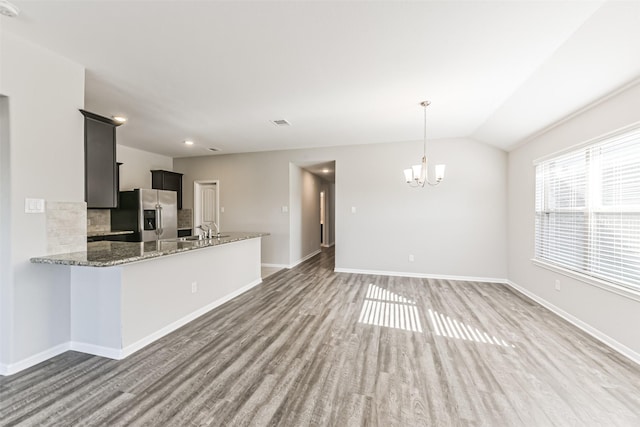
(281, 122)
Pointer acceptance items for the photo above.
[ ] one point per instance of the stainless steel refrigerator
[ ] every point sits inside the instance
(150, 214)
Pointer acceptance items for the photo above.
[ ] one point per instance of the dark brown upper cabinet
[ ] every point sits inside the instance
(167, 180)
(100, 168)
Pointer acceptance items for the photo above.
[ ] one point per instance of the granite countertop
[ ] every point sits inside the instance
(107, 233)
(108, 254)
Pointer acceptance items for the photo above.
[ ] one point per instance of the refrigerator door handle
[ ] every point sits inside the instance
(159, 220)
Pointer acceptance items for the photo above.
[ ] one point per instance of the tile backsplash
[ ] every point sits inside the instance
(185, 218)
(98, 220)
(66, 227)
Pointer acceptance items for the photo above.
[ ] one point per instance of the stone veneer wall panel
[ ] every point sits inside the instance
(66, 227)
(185, 218)
(98, 220)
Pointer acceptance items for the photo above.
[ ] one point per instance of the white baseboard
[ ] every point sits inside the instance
(421, 275)
(274, 265)
(113, 353)
(311, 255)
(600, 336)
(132, 348)
(96, 350)
(116, 353)
(300, 261)
(328, 246)
(12, 368)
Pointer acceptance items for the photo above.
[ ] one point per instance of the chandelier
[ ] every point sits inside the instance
(418, 175)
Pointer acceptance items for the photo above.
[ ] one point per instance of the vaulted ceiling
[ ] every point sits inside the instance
(340, 73)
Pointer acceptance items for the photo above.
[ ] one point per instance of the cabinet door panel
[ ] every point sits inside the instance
(100, 165)
(167, 180)
(172, 181)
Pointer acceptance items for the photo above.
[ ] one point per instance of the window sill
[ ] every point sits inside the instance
(602, 284)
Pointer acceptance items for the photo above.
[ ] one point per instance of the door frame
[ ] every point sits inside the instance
(197, 202)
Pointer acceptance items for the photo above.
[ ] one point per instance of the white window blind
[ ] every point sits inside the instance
(588, 210)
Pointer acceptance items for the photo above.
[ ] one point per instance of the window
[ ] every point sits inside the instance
(588, 210)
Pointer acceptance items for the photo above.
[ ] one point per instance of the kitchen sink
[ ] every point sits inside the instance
(187, 238)
(196, 238)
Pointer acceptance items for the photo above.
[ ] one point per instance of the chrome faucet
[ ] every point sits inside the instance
(206, 230)
(217, 229)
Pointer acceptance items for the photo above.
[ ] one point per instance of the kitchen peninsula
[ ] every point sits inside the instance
(125, 295)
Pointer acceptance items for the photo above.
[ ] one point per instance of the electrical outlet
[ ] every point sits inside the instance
(194, 287)
(557, 285)
(222, 209)
(411, 258)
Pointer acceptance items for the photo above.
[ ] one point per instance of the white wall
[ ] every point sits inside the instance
(456, 229)
(332, 213)
(295, 213)
(253, 189)
(44, 93)
(304, 214)
(611, 316)
(331, 209)
(136, 166)
(6, 309)
(310, 232)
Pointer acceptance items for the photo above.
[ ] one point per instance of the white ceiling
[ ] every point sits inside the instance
(341, 73)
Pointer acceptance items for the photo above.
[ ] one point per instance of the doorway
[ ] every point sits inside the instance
(323, 211)
(327, 214)
(206, 199)
(311, 210)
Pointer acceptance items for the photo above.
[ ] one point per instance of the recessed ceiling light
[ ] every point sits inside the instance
(188, 142)
(8, 9)
(119, 119)
(325, 170)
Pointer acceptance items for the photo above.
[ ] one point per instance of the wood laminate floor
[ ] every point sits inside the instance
(314, 347)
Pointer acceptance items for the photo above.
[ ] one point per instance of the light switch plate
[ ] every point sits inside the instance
(285, 209)
(33, 205)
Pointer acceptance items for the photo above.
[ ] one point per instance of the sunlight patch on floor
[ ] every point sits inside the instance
(382, 307)
(445, 326)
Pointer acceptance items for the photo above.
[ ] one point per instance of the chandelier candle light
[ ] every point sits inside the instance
(417, 176)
